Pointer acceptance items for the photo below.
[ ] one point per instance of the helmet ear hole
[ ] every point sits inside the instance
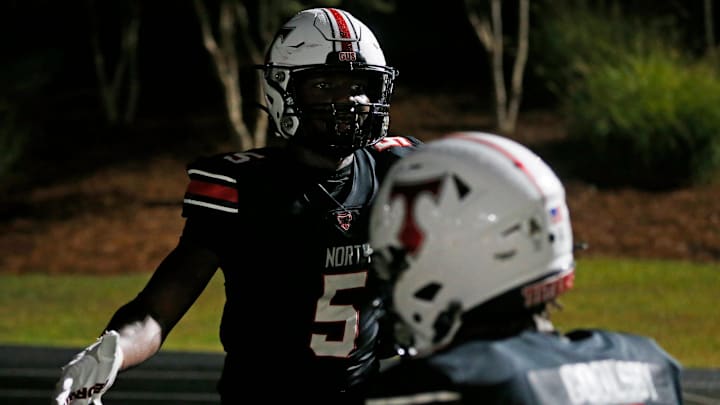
(287, 123)
(279, 77)
(428, 292)
(447, 321)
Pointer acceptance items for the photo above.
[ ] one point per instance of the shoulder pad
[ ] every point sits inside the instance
(389, 149)
(396, 142)
(228, 163)
(213, 185)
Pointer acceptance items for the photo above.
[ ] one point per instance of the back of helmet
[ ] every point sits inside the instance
(475, 217)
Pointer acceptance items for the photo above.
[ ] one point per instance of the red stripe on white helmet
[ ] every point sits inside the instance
(505, 153)
(343, 28)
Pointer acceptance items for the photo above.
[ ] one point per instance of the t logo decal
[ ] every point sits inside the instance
(410, 234)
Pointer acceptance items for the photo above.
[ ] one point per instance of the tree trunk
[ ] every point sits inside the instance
(490, 34)
(518, 68)
(124, 83)
(224, 56)
(709, 28)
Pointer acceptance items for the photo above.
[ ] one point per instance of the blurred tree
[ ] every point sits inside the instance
(490, 33)
(13, 139)
(117, 75)
(709, 27)
(220, 40)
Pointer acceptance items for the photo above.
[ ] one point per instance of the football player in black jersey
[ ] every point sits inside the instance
(472, 240)
(288, 226)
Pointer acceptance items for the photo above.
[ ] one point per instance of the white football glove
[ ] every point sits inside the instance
(90, 373)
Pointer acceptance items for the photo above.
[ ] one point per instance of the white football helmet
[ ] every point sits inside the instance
(327, 40)
(465, 220)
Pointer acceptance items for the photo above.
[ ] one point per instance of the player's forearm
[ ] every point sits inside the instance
(139, 341)
(141, 335)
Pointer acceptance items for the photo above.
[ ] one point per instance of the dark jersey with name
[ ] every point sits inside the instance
(293, 248)
(581, 367)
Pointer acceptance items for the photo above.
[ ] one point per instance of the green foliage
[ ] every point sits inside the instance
(650, 121)
(571, 37)
(642, 112)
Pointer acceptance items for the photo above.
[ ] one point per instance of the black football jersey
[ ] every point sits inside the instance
(581, 367)
(293, 248)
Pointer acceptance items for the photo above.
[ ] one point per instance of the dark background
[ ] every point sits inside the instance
(431, 42)
(47, 75)
(85, 191)
(47, 72)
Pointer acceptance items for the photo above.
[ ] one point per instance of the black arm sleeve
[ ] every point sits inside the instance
(174, 286)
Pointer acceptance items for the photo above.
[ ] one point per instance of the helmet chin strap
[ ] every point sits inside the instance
(322, 146)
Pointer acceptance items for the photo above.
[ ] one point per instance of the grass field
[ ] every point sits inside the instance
(70, 311)
(674, 302)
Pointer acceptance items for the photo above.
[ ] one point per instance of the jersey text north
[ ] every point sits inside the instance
(339, 256)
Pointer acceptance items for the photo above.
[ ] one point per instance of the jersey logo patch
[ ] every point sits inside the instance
(344, 219)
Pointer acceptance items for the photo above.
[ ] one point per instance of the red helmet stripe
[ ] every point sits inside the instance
(342, 28)
(509, 155)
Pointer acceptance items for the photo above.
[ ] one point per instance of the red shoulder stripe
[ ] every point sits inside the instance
(214, 191)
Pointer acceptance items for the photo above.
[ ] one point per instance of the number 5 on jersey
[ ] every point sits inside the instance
(327, 312)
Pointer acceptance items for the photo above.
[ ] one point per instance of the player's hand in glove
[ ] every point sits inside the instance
(90, 373)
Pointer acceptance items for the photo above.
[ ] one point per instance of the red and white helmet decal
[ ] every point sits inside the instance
(411, 236)
(343, 26)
